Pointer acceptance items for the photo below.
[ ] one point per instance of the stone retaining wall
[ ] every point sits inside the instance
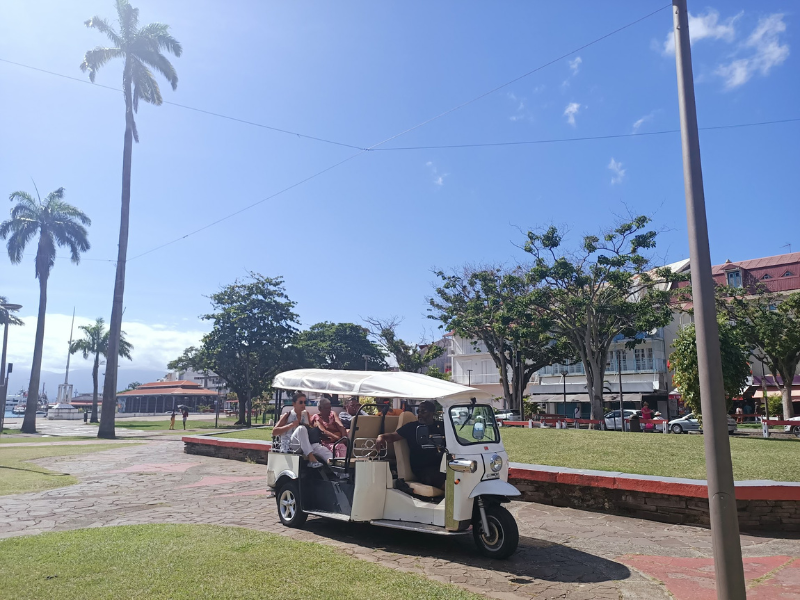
(763, 505)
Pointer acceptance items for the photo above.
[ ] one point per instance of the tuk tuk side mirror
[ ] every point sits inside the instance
(478, 429)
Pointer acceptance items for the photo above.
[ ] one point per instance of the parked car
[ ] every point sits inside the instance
(507, 415)
(795, 429)
(614, 422)
(689, 422)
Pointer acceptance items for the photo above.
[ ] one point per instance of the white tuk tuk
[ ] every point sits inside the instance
(363, 486)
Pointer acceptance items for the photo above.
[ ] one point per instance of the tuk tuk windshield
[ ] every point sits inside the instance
(474, 424)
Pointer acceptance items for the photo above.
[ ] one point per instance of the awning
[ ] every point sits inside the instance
(377, 384)
(759, 393)
(559, 398)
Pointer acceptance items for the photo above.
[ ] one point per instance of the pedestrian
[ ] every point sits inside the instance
(647, 414)
(172, 420)
(577, 411)
(185, 414)
(739, 413)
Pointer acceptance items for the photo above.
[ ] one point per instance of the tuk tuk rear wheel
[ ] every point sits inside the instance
(503, 536)
(290, 511)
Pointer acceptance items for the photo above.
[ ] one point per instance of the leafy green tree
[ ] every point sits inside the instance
(95, 344)
(602, 290)
(493, 305)
(58, 224)
(412, 358)
(192, 359)
(141, 49)
(770, 323)
(252, 337)
(735, 364)
(437, 374)
(339, 346)
(133, 385)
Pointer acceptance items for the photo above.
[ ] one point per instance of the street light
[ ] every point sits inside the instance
(5, 308)
(564, 374)
(469, 377)
(366, 359)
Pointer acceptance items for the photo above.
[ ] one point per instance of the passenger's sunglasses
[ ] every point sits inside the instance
(303, 402)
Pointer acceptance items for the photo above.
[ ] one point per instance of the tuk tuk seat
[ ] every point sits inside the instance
(404, 471)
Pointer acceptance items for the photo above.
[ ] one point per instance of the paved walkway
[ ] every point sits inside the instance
(563, 553)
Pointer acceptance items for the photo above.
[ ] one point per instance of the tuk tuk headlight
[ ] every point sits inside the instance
(496, 463)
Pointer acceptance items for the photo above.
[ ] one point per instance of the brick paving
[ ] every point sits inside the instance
(564, 553)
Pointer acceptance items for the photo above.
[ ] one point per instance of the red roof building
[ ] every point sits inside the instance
(779, 273)
(164, 396)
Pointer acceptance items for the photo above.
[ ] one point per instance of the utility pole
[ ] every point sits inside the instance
(621, 400)
(719, 469)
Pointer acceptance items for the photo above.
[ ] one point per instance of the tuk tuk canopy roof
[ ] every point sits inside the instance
(377, 384)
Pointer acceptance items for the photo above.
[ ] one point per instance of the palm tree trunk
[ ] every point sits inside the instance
(106, 429)
(29, 422)
(95, 369)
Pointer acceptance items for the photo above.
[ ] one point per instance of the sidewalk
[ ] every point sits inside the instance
(563, 553)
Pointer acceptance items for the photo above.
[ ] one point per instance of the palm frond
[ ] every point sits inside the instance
(159, 62)
(145, 85)
(6, 316)
(63, 211)
(57, 195)
(94, 59)
(158, 33)
(22, 232)
(103, 27)
(24, 212)
(22, 197)
(128, 18)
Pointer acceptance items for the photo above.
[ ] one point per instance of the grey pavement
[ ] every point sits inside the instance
(563, 553)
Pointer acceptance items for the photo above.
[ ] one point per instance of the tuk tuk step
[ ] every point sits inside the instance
(416, 527)
(328, 515)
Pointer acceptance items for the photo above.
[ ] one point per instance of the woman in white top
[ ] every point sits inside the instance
(293, 430)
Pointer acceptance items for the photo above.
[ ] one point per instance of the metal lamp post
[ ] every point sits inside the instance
(728, 566)
(469, 377)
(366, 360)
(5, 308)
(564, 374)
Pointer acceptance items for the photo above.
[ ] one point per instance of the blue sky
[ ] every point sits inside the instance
(361, 240)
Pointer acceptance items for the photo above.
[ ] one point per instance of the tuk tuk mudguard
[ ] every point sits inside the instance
(495, 487)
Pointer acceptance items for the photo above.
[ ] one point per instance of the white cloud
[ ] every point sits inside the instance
(570, 112)
(617, 170)
(438, 178)
(766, 49)
(707, 26)
(154, 345)
(639, 122)
(575, 64)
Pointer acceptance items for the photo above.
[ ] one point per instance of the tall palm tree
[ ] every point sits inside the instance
(140, 48)
(58, 224)
(95, 343)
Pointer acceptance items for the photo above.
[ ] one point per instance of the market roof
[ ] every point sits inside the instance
(377, 384)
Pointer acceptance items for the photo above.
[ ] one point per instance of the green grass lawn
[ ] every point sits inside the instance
(18, 476)
(646, 454)
(194, 562)
(651, 453)
(260, 433)
(162, 425)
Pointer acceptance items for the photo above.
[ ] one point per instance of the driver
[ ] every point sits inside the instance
(425, 462)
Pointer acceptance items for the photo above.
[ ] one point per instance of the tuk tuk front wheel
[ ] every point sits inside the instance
(503, 536)
(289, 509)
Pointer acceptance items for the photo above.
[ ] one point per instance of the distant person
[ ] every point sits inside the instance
(185, 414)
(385, 404)
(647, 414)
(739, 413)
(172, 420)
(577, 412)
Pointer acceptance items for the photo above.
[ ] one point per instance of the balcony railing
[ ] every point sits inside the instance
(643, 365)
(477, 378)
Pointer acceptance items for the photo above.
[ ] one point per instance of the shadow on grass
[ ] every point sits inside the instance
(534, 559)
(52, 474)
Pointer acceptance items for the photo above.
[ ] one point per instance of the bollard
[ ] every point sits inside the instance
(765, 429)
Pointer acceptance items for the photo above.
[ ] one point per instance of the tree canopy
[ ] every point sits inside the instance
(735, 366)
(251, 340)
(770, 324)
(494, 305)
(413, 358)
(339, 346)
(603, 291)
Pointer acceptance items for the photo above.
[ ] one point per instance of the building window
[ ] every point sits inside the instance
(788, 274)
(644, 359)
(767, 276)
(735, 279)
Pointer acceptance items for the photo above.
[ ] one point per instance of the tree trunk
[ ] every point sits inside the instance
(95, 370)
(29, 422)
(787, 375)
(594, 385)
(106, 429)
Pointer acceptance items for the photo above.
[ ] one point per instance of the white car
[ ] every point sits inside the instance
(689, 422)
(795, 429)
(614, 422)
(507, 415)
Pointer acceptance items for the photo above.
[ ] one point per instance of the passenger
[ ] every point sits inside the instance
(425, 462)
(293, 430)
(331, 427)
(352, 408)
(390, 412)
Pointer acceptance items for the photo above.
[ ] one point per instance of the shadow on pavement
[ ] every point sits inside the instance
(534, 559)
